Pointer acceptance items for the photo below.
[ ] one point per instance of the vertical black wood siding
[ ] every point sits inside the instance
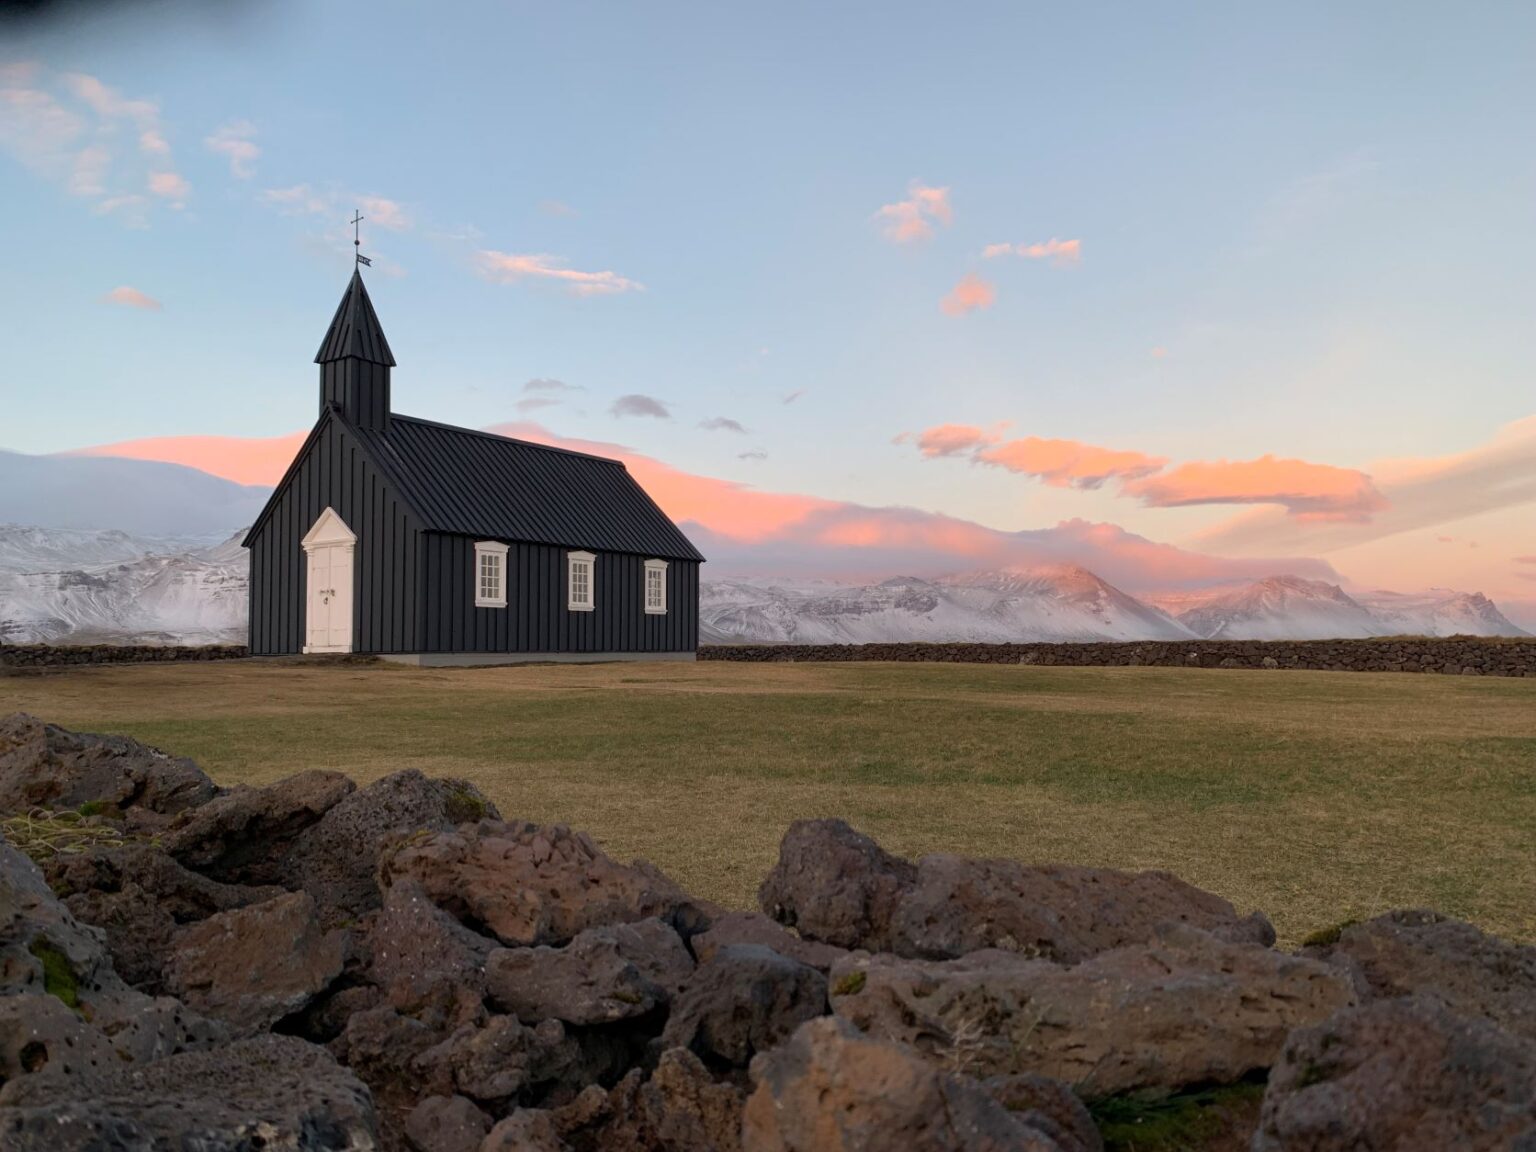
(536, 618)
(335, 473)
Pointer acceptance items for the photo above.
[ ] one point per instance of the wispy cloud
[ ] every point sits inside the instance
(913, 219)
(384, 213)
(132, 298)
(637, 405)
(791, 397)
(1525, 559)
(971, 294)
(556, 208)
(548, 384)
(95, 142)
(1062, 253)
(752, 454)
(721, 424)
(506, 268)
(298, 199)
(534, 403)
(234, 142)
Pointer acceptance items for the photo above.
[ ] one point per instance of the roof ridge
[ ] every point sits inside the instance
(505, 439)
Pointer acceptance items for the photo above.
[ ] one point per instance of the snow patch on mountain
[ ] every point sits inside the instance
(1059, 604)
(195, 596)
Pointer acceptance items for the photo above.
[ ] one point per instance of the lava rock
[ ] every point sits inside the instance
(336, 859)
(243, 836)
(1182, 1010)
(833, 1089)
(745, 1000)
(834, 885)
(45, 766)
(1417, 952)
(252, 966)
(756, 928)
(533, 884)
(1400, 1075)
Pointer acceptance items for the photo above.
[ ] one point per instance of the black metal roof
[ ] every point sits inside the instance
(479, 484)
(355, 329)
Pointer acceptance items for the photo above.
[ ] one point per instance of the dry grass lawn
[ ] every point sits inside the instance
(1315, 796)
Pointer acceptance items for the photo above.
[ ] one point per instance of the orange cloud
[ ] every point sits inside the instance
(241, 459)
(1069, 463)
(970, 294)
(950, 439)
(1306, 491)
(911, 219)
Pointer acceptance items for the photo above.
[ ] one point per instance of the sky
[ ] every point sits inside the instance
(1253, 284)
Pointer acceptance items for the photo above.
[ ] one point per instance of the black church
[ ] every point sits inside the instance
(431, 544)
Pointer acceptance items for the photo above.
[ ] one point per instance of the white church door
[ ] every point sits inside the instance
(329, 547)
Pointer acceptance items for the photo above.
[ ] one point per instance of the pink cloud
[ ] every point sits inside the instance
(970, 294)
(1306, 491)
(244, 460)
(1058, 252)
(382, 212)
(132, 298)
(505, 268)
(1525, 559)
(1069, 463)
(912, 219)
(171, 185)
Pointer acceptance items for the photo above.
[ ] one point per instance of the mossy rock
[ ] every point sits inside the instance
(59, 977)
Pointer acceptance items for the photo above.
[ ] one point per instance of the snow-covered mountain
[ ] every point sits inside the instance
(1439, 612)
(1062, 603)
(1291, 608)
(79, 586)
(154, 597)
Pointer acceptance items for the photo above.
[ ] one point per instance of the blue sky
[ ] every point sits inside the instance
(1305, 232)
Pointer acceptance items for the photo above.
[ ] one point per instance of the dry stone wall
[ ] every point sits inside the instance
(55, 655)
(1455, 655)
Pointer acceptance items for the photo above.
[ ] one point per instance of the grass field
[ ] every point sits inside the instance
(1314, 796)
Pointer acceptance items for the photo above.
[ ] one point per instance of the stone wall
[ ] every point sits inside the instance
(56, 655)
(1457, 655)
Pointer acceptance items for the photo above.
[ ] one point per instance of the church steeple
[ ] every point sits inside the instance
(355, 360)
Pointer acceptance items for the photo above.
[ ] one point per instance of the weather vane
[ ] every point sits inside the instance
(357, 242)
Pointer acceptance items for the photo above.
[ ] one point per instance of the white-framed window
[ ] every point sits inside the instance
(580, 581)
(655, 587)
(490, 574)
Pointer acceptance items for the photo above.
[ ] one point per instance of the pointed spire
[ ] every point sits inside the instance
(355, 331)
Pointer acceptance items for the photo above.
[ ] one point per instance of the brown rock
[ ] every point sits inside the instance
(274, 1092)
(603, 975)
(45, 766)
(531, 884)
(501, 1061)
(1415, 952)
(446, 1124)
(756, 928)
(252, 966)
(1185, 1009)
(1049, 1106)
(837, 886)
(1398, 1076)
(48, 959)
(743, 1001)
(139, 897)
(678, 1109)
(243, 837)
(833, 1089)
(336, 860)
(421, 956)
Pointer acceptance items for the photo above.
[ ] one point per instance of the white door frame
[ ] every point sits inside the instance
(330, 531)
